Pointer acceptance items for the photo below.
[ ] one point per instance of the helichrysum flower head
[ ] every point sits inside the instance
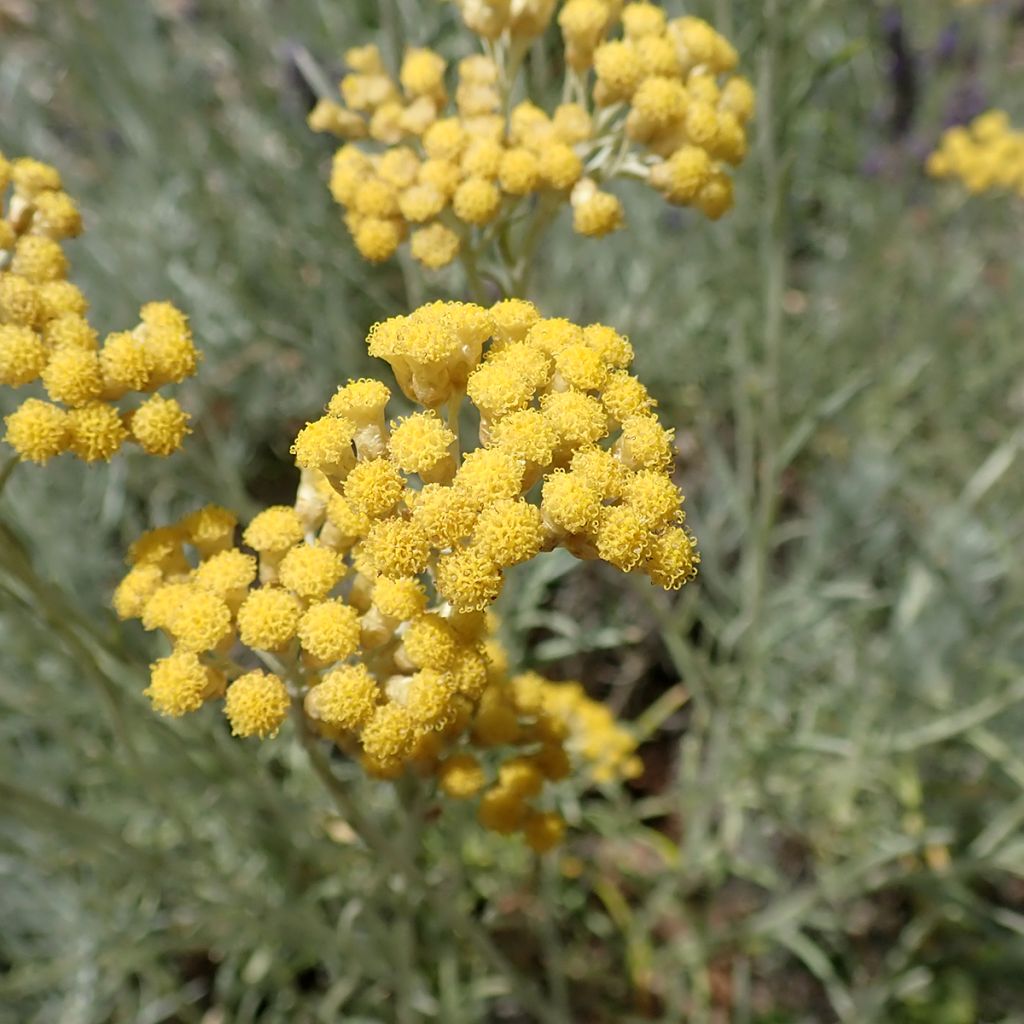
(47, 343)
(449, 169)
(987, 155)
(370, 604)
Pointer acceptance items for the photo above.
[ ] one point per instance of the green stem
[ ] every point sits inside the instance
(551, 941)
(6, 469)
(381, 845)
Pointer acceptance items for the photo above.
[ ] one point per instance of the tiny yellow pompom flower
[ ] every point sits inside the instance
(560, 167)
(544, 830)
(611, 346)
(489, 474)
(519, 171)
(345, 698)
(429, 642)
(654, 497)
(619, 70)
(403, 598)
(163, 604)
(430, 699)
(512, 319)
(138, 586)
(390, 735)
(180, 683)
(569, 503)
(159, 425)
(326, 444)
(525, 435)
(275, 529)
(503, 810)
(257, 704)
(422, 73)
(623, 538)
(580, 367)
(23, 355)
(509, 532)
(374, 487)
(444, 139)
(658, 103)
(311, 572)
(201, 622)
(397, 547)
(738, 99)
(482, 158)
(19, 301)
(70, 330)
(461, 776)
(73, 376)
(420, 442)
(645, 444)
(468, 579)
(347, 522)
(331, 117)
(55, 215)
(228, 574)
(361, 401)
(39, 259)
(444, 175)
(377, 238)
(60, 298)
(497, 389)
(399, 166)
(329, 631)
(269, 618)
(446, 514)
(211, 529)
(642, 19)
(376, 198)
(673, 559)
(597, 214)
(124, 362)
(625, 396)
(95, 432)
(435, 246)
(421, 202)
(31, 177)
(716, 196)
(601, 470)
(476, 201)
(576, 418)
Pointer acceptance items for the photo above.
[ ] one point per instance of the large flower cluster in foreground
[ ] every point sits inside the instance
(658, 105)
(46, 338)
(987, 155)
(367, 602)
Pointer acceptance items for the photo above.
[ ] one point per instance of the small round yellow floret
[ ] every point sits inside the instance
(22, 355)
(311, 572)
(159, 425)
(201, 622)
(476, 201)
(468, 579)
(509, 532)
(326, 444)
(420, 442)
(275, 529)
(544, 830)
(73, 376)
(397, 547)
(269, 618)
(180, 683)
(95, 431)
(256, 704)
(329, 631)
(137, 587)
(461, 776)
(374, 487)
(345, 698)
(435, 246)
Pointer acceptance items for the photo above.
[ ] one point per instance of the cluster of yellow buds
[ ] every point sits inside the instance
(454, 178)
(368, 600)
(987, 155)
(45, 337)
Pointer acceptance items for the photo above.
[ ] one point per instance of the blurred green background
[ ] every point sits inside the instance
(829, 823)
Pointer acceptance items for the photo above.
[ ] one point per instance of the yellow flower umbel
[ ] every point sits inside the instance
(368, 601)
(452, 170)
(985, 156)
(46, 340)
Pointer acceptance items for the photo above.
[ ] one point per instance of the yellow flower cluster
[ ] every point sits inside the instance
(987, 155)
(368, 600)
(451, 174)
(45, 337)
